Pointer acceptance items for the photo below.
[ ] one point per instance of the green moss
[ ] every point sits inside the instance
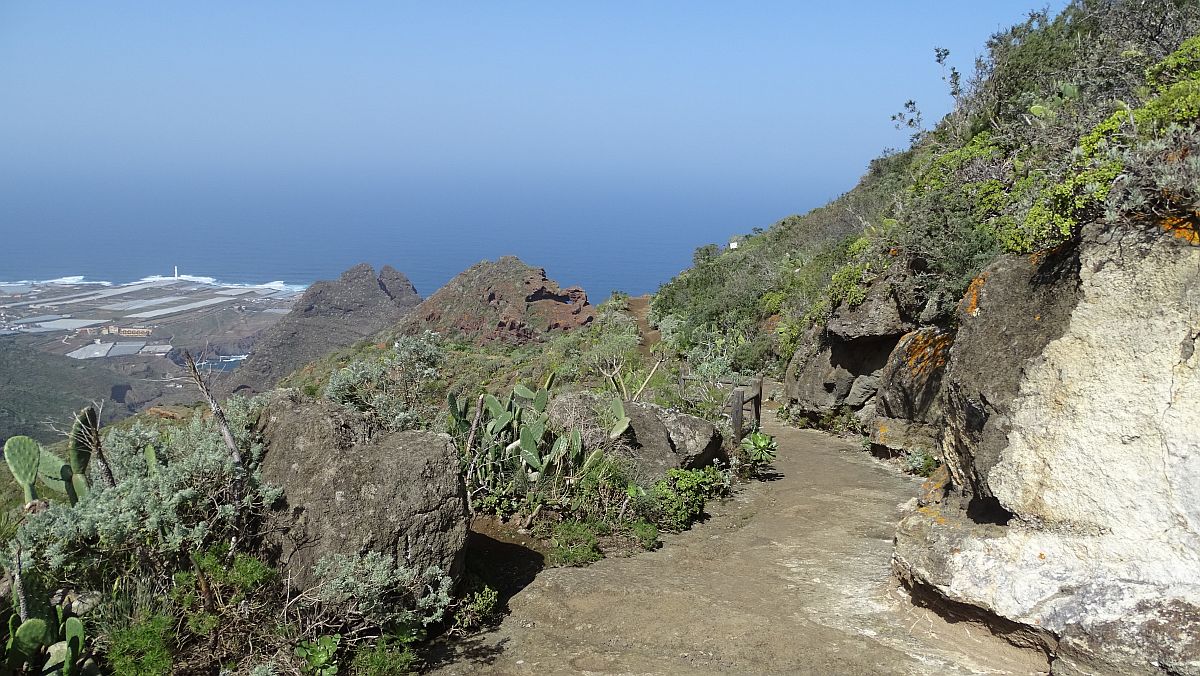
(142, 649)
(574, 544)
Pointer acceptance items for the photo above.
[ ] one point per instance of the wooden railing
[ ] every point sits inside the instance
(742, 396)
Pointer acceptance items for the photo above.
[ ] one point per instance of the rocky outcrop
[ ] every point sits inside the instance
(907, 411)
(1070, 405)
(502, 301)
(1008, 316)
(657, 440)
(838, 366)
(400, 494)
(330, 315)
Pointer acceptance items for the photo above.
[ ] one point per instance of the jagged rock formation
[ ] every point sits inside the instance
(1064, 409)
(839, 365)
(503, 300)
(329, 315)
(400, 494)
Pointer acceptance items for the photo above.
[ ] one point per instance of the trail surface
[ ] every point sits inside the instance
(790, 576)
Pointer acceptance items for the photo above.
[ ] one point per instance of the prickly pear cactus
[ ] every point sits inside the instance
(23, 456)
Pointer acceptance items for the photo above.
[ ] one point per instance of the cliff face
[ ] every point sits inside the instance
(1064, 410)
(329, 315)
(501, 301)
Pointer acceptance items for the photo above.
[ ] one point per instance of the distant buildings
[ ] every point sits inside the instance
(114, 330)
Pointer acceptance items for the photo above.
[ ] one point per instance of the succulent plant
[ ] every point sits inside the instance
(79, 446)
(23, 456)
(85, 442)
(622, 421)
(25, 641)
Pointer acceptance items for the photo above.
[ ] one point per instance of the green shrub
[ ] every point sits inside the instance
(393, 389)
(574, 544)
(682, 494)
(376, 588)
(479, 607)
(384, 657)
(143, 648)
(646, 533)
(920, 462)
(151, 521)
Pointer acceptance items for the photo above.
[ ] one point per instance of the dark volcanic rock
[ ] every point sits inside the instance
(1071, 429)
(906, 406)
(880, 314)
(505, 300)
(827, 372)
(666, 439)
(327, 317)
(400, 494)
(839, 365)
(1010, 313)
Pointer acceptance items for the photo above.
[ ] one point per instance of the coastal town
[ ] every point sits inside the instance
(150, 317)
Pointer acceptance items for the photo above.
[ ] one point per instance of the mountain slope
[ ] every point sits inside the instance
(329, 315)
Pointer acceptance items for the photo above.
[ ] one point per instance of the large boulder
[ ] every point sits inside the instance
(400, 494)
(664, 439)
(1073, 388)
(658, 439)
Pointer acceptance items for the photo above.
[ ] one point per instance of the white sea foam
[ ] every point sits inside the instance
(197, 279)
(73, 280)
(64, 281)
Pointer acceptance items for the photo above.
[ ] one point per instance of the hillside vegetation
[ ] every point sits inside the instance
(1084, 116)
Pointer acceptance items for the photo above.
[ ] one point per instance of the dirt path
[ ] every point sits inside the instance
(790, 577)
(639, 307)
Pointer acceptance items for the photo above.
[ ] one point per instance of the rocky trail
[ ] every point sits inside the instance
(791, 575)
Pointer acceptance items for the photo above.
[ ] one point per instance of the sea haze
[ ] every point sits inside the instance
(602, 237)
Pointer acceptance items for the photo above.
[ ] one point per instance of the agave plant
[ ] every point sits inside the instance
(760, 449)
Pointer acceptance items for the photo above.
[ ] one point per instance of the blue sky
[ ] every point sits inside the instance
(484, 128)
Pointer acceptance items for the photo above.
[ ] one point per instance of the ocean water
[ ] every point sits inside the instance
(626, 236)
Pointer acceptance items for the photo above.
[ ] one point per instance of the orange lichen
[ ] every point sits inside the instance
(927, 352)
(1183, 228)
(970, 301)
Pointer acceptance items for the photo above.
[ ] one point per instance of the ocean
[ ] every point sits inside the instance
(624, 238)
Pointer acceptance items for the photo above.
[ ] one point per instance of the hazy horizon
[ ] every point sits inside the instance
(289, 141)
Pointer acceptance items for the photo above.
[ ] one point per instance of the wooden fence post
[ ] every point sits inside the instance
(738, 402)
(758, 404)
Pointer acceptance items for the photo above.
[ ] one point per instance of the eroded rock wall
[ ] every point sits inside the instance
(1071, 401)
